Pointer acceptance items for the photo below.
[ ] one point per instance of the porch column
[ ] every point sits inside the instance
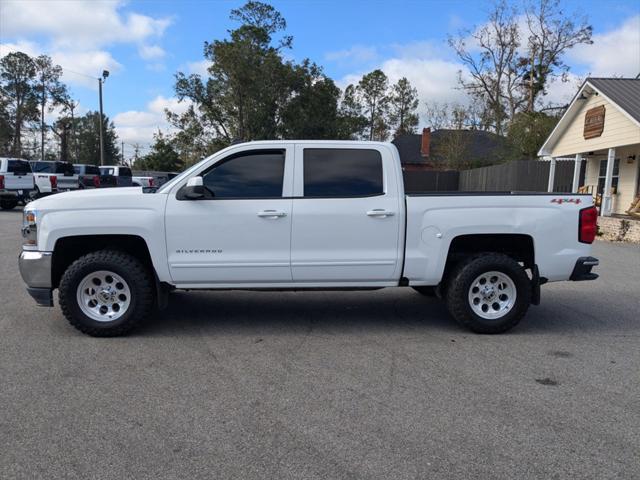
(576, 173)
(607, 200)
(552, 174)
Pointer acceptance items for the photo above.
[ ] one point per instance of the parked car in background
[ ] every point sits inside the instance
(116, 176)
(144, 182)
(301, 215)
(16, 182)
(54, 176)
(88, 175)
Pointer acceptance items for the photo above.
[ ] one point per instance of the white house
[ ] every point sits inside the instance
(601, 129)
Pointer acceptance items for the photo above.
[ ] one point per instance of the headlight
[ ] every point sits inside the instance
(30, 228)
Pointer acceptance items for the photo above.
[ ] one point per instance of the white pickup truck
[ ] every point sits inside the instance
(16, 182)
(301, 215)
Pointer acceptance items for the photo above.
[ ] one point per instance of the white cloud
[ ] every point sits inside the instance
(616, 52)
(80, 67)
(71, 24)
(199, 67)
(151, 52)
(435, 79)
(358, 54)
(136, 126)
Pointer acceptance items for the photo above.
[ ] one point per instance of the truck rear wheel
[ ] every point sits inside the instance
(489, 293)
(106, 293)
(8, 203)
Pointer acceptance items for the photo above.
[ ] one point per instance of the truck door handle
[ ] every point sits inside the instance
(271, 214)
(380, 212)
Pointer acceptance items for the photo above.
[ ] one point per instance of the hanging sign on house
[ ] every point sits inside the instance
(594, 122)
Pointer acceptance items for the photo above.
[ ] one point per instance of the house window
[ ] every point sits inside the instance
(603, 173)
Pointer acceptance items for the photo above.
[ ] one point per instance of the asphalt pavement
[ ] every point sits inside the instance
(325, 385)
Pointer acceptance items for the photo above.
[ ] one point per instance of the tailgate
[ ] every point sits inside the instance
(18, 182)
(67, 182)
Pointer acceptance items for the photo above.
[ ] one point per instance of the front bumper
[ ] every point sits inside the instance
(35, 268)
(582, 270)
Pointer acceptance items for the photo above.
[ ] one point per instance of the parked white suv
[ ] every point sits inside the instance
(16, 182)
(301, 215)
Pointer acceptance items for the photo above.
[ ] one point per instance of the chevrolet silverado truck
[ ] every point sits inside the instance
(280, 215)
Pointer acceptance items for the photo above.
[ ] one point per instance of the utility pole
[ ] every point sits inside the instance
(105, 74)
(122, 152)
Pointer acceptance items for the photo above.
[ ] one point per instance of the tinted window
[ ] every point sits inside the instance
(19, 167)
(91, 170)
(64, 168)
(338, 172)
(256, 174)
(124, 172)
(106, 171)
(42, 167)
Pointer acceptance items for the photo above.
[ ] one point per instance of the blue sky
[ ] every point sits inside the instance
(143, 43)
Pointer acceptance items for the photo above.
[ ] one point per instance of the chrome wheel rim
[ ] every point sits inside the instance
(103, 296)
(492, 295)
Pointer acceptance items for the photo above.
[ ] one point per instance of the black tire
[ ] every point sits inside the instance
(459, 285)
(138, 277)
(426, 291)
(8, 203)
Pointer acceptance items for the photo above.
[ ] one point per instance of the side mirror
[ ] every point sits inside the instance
(194, 190)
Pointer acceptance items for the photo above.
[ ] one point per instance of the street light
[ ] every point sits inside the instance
(101, 80)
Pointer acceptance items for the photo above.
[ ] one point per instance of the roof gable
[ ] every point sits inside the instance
(622, 93)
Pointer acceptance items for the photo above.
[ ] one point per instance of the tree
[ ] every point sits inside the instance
(493, 65)
(249, 81)
(88, 137)
(454, 115)
(50, 91)
(312, 113)
(351, 121)
(162, 157)
(6, 128)
(529, 130)
(550, 34)
(17, 73)
(252, 92)
(403, 106)
(508, 66)
(372, 89)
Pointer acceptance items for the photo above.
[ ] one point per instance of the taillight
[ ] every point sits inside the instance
(588, 225)
(54, 182)
(151, 182)
(96, 181)
(1, 181)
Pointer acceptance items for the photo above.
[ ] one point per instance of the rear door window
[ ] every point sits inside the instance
(18, 167)
(64, 168)
(342, 172)
(43, 167)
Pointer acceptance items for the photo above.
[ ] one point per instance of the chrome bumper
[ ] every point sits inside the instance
(35, 268)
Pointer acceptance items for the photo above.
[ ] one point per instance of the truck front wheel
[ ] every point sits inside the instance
(489, 293)
(106, 293)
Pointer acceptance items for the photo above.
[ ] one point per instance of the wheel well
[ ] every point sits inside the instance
(69, 249)
(517, 246)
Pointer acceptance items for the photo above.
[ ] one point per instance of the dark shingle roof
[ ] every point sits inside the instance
(482, 147)
(625, 92)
